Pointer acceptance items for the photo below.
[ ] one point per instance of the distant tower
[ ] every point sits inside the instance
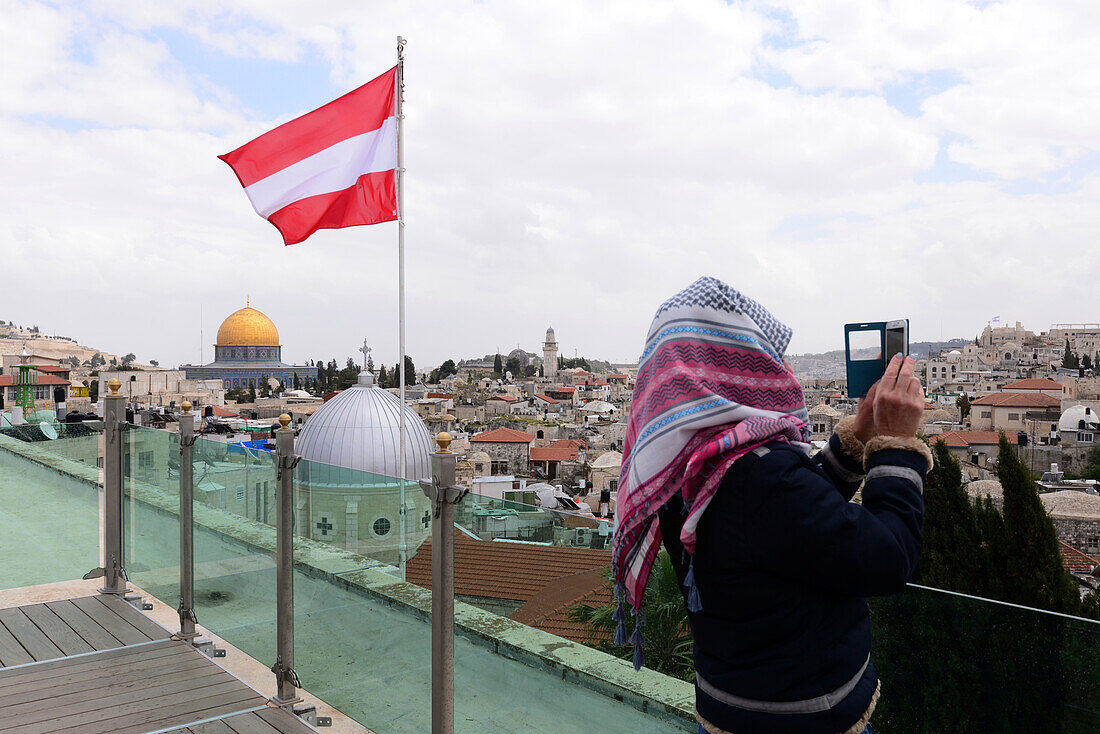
(550, 356)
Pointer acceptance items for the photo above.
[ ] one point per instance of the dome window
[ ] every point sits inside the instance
(382, 526)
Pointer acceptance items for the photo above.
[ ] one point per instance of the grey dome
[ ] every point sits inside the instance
(360, 430)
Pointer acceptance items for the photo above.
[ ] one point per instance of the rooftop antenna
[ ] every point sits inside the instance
(201, 339)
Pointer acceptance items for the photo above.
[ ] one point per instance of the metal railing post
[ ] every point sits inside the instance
(444, 493)
(114, 423)
(187, 527)
(285, 677)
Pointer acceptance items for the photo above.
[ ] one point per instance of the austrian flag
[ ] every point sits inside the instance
(330, 168)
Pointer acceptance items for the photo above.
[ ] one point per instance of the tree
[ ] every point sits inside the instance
(1035, 575)
(297, 382)
(1069, 359)
(667, 644)
(395, 376)
(512, 365)
(1086, 362)
(93, 390)
(951, 557)
(383, 376)
(498, 365)
(130, 357)
(97, 360)
(443, 371)
(251, 394)
(265, 387)
(154, 362)
(963, 401)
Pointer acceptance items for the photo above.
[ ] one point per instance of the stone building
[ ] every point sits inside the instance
(604, 471)
(1076, 517)
(509, 450)
(823, 419)
(1007, 411)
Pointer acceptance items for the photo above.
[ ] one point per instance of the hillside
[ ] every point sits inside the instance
(830, 365)
(12, 339)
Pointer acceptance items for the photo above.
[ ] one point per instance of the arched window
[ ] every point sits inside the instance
(540, 434)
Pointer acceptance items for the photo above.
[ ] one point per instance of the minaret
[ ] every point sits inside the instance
(550, 356)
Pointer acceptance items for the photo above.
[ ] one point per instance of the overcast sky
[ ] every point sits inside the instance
(569, 163)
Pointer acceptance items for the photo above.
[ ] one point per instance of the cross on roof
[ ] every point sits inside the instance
(366, 350)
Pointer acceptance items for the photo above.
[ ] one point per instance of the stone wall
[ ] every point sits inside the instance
(1076, 531)
(517, 455)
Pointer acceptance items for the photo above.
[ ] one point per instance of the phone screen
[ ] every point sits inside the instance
(895, 343)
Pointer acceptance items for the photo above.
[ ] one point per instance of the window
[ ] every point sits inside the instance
(613, 485)
(1092, 545)
(381, 526)
(1014, 416)
(498, 467)
(145, 460)
(986, 414)
(1083, 437)
(240, 493)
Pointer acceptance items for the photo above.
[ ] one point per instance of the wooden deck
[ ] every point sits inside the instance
(96, 664)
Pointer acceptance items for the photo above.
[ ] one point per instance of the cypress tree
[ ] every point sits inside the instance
(951, 558)
(1034, 574)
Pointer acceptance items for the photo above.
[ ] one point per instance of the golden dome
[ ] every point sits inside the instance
(247, 328)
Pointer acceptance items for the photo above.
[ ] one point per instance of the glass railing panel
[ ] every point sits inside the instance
(150, 527)
(49, 507)
(354, 649)
(71, 442)
(950, 662)
(235, 494)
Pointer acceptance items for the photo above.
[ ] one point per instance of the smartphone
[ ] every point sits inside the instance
(868, 349)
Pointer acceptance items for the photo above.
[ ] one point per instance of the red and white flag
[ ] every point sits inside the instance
(330, 168)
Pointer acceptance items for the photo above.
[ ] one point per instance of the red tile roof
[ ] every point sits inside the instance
(220, 412)
(1034, 383)
(505, 398)
(563, 450)
(549, 609)
(962, 439)
(51, 368)
(547, 398)
(622, 377)
(5, 380)
(503, 435)
(1019, 400)
(441, 395)
(501, 570)
(1074, 560)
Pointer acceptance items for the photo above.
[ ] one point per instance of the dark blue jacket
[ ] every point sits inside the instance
(782, 564)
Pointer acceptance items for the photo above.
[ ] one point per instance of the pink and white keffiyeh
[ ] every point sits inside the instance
(711, 387)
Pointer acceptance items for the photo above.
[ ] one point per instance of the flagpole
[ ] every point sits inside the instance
(399, 92)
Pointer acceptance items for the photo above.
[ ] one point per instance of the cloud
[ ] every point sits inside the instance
(571, 165)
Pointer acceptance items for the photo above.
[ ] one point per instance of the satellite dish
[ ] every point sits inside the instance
(47, 430)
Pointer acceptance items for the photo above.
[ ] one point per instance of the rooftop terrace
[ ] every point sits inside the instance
(362, 635)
